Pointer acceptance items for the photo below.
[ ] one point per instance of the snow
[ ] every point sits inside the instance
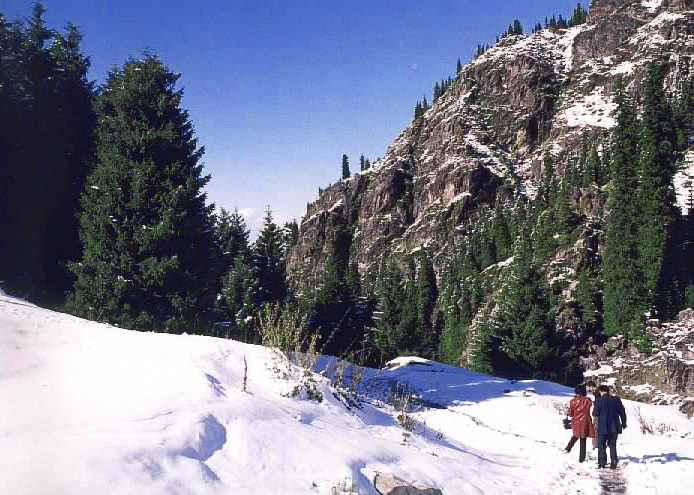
(89, 408)
(666, 17)
(652, 5)
(593, 110)
(684, 181)
(338, 204)
(624, 68)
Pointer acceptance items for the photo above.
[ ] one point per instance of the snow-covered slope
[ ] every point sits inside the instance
(86, 408)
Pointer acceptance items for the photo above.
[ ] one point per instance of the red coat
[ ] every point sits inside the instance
(581, 420)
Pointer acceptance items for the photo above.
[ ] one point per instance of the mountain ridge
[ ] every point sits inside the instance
(485, 140)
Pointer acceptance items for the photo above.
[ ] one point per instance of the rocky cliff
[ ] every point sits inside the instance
(486, 136)
(666, 376)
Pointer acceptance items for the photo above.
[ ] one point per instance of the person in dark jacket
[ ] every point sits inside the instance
(610, 420)
(581, 425)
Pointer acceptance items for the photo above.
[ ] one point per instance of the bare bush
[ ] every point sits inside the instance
(650, 427)
(562, 408)
(282, 329)
(245, 374)
(401, 399)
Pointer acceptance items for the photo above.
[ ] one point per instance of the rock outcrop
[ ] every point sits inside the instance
(665, 376)
(390, 485)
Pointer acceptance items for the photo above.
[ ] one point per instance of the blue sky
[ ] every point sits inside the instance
(279, 90)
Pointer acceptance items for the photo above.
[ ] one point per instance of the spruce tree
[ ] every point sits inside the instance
(46, 121)
(390, 301)
(458, 67)
(345, 167)
(410, 340)
(269, 263)
(240, 295)
(231, 235)
(145, 228)
(427, 294)
(623, 278)
(525, 323)
(517, 29)
(437, 92)
(656, 196)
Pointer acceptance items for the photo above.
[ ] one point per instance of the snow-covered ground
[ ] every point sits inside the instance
(86, 408)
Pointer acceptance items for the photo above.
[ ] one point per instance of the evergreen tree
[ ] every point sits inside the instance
(390, 301)
(524, 323)
(410, 340)
(268, 261)
(145, 228)
(291, 235)
(362, 162)
(656, 196)
(437, 92)
(623, 279)
(345, 167)
(418, 110)
(46, 121)
(517, 29)
(231, 234)
(427, 294)
(458, 67)
(579, 16)
(240, 293)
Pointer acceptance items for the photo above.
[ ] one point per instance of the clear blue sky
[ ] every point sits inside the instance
(279, 90)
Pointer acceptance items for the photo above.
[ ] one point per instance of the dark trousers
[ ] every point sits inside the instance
(605, 439)
(582, 448)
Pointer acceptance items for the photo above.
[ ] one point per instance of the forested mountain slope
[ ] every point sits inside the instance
(503, 191)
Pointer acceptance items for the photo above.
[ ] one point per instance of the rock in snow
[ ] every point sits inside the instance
(389, 485)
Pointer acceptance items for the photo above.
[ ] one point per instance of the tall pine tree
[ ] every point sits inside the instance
(145, 228)
(656, 197)
(623, 278)
(345, 167)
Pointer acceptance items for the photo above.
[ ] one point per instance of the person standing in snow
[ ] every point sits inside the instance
(593, 389)
(610, 419)
(581, 425)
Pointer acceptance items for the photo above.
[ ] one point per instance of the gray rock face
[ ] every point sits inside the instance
(665, 376)
(389, 485)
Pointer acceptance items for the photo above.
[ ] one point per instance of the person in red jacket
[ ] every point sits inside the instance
(581, 424)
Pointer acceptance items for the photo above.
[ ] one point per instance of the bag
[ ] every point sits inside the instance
(567, 423)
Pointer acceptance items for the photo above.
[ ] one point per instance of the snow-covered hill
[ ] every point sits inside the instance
(86, 408)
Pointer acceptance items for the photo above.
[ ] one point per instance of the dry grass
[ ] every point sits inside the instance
(650, 427)
(562, 408)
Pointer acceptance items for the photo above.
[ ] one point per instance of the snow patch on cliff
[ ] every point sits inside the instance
(652, 5)
(593, 110)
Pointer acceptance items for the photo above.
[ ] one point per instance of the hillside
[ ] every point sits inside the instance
(89, 408)
(518, 116)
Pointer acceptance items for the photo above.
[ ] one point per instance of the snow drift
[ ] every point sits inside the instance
(87, 408)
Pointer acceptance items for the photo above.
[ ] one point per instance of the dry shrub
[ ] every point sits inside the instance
(282, 329)
(650, 427)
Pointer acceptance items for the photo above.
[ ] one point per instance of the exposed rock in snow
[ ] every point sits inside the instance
(389, 485)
